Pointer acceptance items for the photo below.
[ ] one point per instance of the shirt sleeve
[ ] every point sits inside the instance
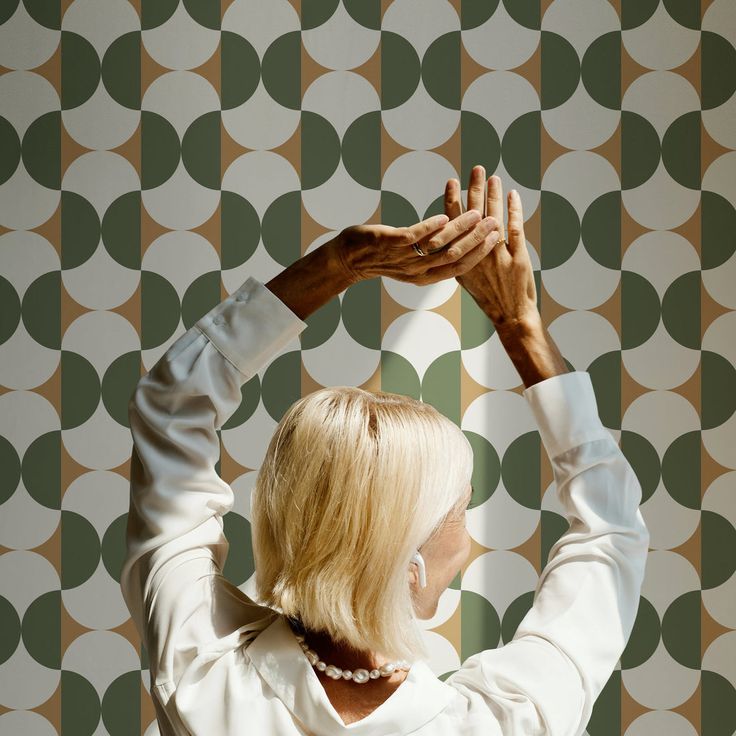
(171, 576)
(548, 677)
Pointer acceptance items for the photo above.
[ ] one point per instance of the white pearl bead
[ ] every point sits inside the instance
(312, 656)
(360, 675)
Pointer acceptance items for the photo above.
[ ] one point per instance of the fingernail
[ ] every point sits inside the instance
(489, 223)
(474, 215)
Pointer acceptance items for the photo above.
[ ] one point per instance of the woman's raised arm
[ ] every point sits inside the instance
(171, 576)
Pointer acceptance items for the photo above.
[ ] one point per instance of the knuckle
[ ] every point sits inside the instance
(453, 252)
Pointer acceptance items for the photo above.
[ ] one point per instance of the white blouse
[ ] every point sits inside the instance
(222, 665)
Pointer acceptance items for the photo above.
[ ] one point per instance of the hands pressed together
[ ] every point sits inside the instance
(470, 246)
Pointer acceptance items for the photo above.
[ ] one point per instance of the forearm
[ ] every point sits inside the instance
(532, 350)
(317, 277)
(311, 281)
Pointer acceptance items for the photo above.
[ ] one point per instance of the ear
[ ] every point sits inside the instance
(416, 588)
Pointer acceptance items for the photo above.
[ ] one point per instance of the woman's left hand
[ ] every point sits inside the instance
(366, 251)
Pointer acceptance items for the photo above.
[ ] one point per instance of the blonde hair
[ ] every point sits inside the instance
(352, 484)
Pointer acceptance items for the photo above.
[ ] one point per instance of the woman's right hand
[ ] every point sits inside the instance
(501, 283)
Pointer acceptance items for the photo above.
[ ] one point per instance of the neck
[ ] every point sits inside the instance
(343, 655)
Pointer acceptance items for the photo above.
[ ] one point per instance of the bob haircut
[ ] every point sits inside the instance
(352, 484)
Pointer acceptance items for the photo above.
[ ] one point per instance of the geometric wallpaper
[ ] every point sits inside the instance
(154, 154)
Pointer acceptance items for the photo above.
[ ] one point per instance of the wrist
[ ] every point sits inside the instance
(311, 281)
(532, 350)
(338, 262)
(517, 331)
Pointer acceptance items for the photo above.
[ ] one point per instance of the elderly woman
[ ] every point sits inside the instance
(358, 516)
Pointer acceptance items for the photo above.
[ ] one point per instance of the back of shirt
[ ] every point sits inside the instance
(196, 624)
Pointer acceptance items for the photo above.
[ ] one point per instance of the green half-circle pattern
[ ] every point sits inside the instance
(41, 629)
(240, 229)
(560, 70)
(440, 385)
(80, 550)
(280, 384)
(441, 70)
(200, 150)
(121, 226)
(681, 630)
(80, 230)
(160, 150)
(600, 70)
(401, 70)
(280, 70)
(480, 145)
(112, 547)
(10, 630)
(10, 462)
(10, 150)
(41, 150)
(320, 150)
(80, 705)
(10, 308)
(240, 70)
(121, 70)
(486, 467)
(240, 564)
(280, 228)
(80, 70)
(80, 389)
(521, 469)
(41, 470)
(120, 706)
(361, 150)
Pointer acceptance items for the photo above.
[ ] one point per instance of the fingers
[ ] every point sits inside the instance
(516, 236)
(414, 233)
(461, 265)
(453, 199)
(494, 202)
(476, 190)
(463, 245)
(454, 229)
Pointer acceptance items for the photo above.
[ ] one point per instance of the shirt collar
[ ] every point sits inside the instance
(279, 659)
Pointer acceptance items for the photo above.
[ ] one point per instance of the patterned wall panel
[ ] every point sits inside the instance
(156, 153)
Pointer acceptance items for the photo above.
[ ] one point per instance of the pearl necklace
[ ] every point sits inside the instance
(360, 675)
